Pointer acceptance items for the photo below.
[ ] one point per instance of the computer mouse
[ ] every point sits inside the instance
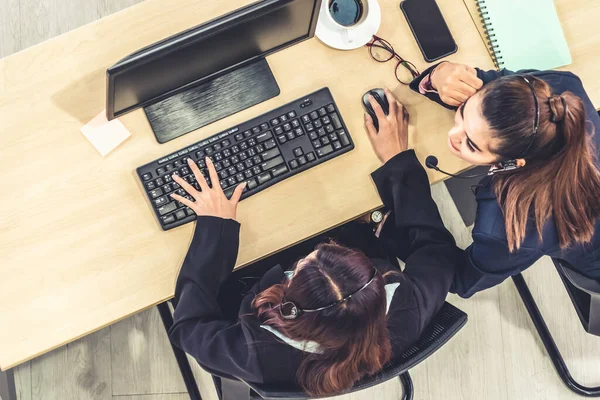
(379, 96)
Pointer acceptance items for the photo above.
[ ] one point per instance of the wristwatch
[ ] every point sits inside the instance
(376, 217)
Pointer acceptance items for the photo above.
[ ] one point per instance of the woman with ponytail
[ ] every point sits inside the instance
(539, 132)
(333, 316)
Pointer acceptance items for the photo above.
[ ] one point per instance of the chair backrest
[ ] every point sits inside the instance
(447, 322)
(584, 293)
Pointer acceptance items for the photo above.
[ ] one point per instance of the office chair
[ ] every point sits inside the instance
(447, 322)
(585, 296)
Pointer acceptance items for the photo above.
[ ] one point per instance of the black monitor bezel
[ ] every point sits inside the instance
(188, 37)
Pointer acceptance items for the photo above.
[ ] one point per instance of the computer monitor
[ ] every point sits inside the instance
(208, 51)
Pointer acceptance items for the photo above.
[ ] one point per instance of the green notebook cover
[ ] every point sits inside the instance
(525, 34)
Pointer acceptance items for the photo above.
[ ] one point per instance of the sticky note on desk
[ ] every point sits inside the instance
(103, 134)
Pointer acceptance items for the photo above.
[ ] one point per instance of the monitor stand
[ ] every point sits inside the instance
(212, 100)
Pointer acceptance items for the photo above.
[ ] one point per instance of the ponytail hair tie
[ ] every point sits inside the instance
(557, 112)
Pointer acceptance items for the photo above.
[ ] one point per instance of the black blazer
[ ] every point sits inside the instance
(488, 261)
(241, 348)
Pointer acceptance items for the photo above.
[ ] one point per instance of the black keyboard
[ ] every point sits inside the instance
(262, 151)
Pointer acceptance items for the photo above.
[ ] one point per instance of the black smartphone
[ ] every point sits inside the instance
(429, 28)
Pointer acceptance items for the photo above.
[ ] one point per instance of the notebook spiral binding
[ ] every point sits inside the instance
(489, 33)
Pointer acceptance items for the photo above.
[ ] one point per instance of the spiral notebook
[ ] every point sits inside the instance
(521, 34)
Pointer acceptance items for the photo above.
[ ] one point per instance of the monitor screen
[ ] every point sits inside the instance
(191, 57)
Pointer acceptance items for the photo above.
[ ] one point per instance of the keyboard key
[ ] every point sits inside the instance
(226, 143)
(169, 167)
(252, 184)
(278, 130)
(325, 140)
(229, 192)
(332, 136)
(248, 173)
(150, 185)
(293, 164)
(267, 155)
(343, 138)
(239, 178)
(180, 214)
(252, 142)
(256, 159)
(330, 108)
(231, 181)
(177, 163)
(208, 151)
(262, 178)
(256, 129)
(248, 163)
(169, 219)
(318, 124)
(200, 154)
(167, 178)
(298, 151)
(313, 135)
(239, 136)
(272, 163)
(291, 114)
(282, 139)
(279, 170)
(316, 144)
(218, 166)
(298, 132)
(223, 174)
(310, 156)
(310, 127)
(323, 151)
(189, 211)
(287, 127)
(156, 193)
(264, 137)
(235, 159)
(329, 128)
(269, 144)
(163, 160)
(264, 126)
(314, 115)
(226, 153)
(159, 182)
(235, 149)
(185, 171)
(290, 135)
(295, 123)
(166, 188)
(231, 171)
(305, 119)
(283, 118)
(217, 147)
(337, 145)
(239, 166)
(256, 170)
(193, 148)
(274, 122)
(182, 152)
(247, 134)
(325, 120)
(244, 156)
(337, 124)
(322, 111)
(302, 160)
(167, 208)
(161, 171)
(223, 183)
(217, 157)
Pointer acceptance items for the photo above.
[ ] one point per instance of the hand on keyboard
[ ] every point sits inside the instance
(210, 201)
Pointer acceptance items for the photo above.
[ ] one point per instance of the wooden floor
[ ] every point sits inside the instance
(495, 357)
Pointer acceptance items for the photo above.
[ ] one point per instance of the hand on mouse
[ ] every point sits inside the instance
(209, 201)
(455, 83)
(392, 137)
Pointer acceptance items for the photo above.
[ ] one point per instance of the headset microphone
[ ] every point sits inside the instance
(432, 162)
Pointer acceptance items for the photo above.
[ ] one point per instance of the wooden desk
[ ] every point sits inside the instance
(79, 247)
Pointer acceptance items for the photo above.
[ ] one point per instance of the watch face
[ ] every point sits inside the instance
(376, 216)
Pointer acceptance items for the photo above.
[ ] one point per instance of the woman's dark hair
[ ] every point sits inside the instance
(560, 178)
(353, 335)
